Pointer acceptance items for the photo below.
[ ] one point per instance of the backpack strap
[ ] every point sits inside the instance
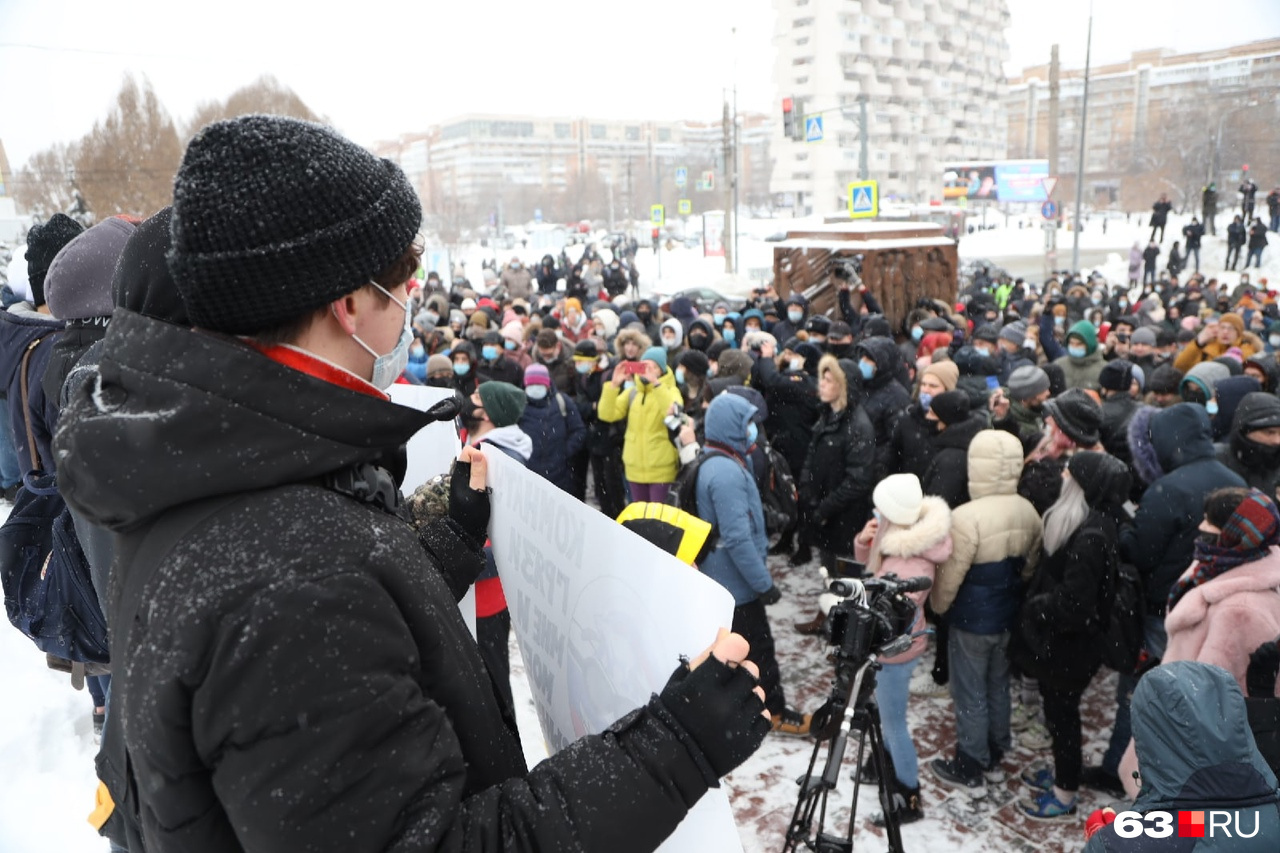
(26, 408)
(564, 413)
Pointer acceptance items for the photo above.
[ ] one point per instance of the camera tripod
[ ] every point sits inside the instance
(852, 707)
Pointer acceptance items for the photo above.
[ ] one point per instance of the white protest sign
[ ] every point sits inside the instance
(431, 452)
(602, 617)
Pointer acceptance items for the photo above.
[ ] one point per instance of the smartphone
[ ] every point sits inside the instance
(631, 368)
(993, 382)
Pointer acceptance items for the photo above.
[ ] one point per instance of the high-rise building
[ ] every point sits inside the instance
(930, 71)
(1160, 122)
(508, 168)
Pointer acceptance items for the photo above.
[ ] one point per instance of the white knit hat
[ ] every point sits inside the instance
(899, 497)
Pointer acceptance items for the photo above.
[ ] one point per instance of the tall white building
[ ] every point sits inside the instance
(931, 72)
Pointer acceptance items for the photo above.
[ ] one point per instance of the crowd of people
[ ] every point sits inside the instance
(209, 386)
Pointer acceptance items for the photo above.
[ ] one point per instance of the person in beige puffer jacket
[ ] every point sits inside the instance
(995, 539)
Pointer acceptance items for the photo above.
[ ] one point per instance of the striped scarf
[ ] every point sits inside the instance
(1247, 536)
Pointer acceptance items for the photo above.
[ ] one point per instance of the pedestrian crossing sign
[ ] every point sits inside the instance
(657, 215)
(686, 207)
(813, 129)
(864, 200)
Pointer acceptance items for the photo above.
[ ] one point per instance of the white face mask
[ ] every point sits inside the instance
(387, 368)
(536, 392)
(797, 363)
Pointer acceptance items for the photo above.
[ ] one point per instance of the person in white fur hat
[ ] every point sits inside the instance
(909, 535)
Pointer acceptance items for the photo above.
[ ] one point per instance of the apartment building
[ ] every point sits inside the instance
(508, 169)
(1159, 122)
(930, 72)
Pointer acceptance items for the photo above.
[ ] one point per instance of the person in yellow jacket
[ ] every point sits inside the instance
(1215, 339)
(648, 455)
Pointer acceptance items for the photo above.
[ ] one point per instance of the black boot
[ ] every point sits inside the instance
(784, 546)
(802, 555)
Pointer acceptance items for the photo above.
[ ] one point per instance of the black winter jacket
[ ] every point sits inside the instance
(913, 443)
(835, 485)
(792, 398)
(1257, 463)
(1059, 637)
(301, 672)
(948, 473)
(19, 327)
(1162, 539)
(885, 398)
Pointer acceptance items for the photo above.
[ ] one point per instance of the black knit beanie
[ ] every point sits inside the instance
(275, 217)
(142, 282)
(43, 244)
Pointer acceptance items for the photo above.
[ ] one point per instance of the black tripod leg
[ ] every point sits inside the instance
(888, 782)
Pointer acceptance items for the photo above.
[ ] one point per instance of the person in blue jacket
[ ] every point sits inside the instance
(730, 501)
(553, 423)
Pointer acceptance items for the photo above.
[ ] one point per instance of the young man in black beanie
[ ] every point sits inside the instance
(300, 676)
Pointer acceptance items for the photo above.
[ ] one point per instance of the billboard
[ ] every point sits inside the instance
(997, 180)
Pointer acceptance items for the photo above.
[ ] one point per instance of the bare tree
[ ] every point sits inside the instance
(44, 186)
(126, 163)
(266, 95)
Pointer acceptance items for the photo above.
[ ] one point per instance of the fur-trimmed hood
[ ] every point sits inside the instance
(635, 336)
(1145, 462)
(930, 532)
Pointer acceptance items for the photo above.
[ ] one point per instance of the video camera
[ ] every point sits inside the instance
(847, 269)
(872, 616)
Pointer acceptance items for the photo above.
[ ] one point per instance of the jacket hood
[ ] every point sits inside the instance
(704, 326)
(635, 336)
(959, 435)
(884, 352)
(931, 529)
(995, 464)
(1085, 330)
(1145, 462)
(1193, 742)
(1181, 434)
(511, 438)
(19, 326)
(676, 329)
(727, 420)
(682, 309)
(1230, 393)
(175, 415)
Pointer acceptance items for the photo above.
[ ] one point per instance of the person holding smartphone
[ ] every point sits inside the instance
(649, 458)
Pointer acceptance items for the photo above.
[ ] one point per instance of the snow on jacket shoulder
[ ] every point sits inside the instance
(1223, 620)
(995, 538)
(913, 552)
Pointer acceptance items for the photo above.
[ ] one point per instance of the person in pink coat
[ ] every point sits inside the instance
(909, 536)
(1227, 603)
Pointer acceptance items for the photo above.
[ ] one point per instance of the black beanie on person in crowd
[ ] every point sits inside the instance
(1165, 379)
(275, 217)
(951, 407)
(1116, 376)
(695, 362)
(1077, 416)
(43, 244)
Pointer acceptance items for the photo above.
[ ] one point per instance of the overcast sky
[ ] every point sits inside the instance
(381, 68)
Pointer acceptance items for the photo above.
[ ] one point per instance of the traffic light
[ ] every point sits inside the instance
(788, 119)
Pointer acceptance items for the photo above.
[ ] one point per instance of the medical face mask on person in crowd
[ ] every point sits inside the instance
(795, 316)
(583, 367)
(1059, 321)
(753, 432)
(509, 345)
(1211, 407)
(387, 368)
(536, 392)
(1077, 350)
(925, 399)
(917, 333)
(867, 369)
(489, 351)
(797, 363)
(729, 335)
(670, 343)
(719, 319)
(679, 375)
(462, 368)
